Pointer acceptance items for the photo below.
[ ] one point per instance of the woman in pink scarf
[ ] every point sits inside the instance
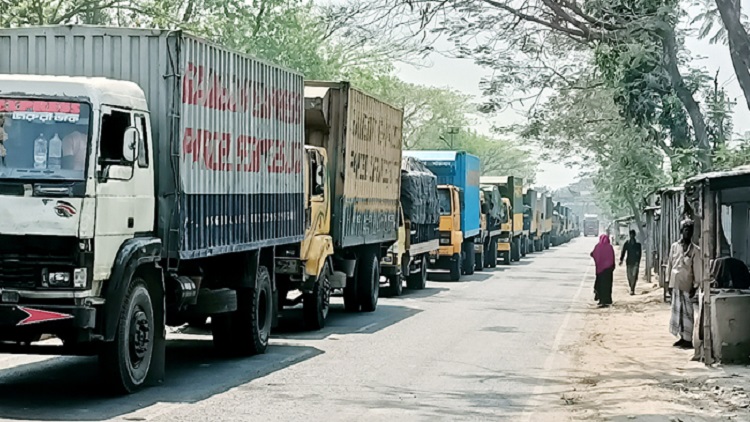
(604, 258)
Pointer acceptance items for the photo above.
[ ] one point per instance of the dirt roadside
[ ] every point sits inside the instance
(623, 367)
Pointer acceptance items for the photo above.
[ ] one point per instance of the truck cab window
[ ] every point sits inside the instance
(143, 144)
(112, 136)
(318, 176)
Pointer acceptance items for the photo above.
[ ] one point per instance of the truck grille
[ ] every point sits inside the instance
(18, 273)
(22, 258)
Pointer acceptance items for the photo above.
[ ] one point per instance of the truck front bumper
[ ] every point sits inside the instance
(48, 319)
(503, 247)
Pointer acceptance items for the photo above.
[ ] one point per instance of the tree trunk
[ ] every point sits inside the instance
(739, 43)
(669, 46)
(637, 216)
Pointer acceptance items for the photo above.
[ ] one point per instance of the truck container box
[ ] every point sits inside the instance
(228, 129)
(511, 187)
(419, 200)
(364, 153)
(460, 169)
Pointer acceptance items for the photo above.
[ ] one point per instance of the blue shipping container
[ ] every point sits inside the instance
(460, 169)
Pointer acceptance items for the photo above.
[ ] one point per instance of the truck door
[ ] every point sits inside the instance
(125, 203)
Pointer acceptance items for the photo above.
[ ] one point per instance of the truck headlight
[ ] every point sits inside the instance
(445, 241)
(59, 279)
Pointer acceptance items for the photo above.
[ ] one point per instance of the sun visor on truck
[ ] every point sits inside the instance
(419, 195)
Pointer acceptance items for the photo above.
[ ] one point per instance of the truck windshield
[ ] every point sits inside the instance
(42, 139)
(444, 201)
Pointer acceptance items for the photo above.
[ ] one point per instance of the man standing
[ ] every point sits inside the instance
(632, 249)
(683, 272)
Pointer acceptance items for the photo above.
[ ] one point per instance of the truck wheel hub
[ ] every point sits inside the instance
(139, 333)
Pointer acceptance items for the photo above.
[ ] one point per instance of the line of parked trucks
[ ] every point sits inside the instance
(149, 179)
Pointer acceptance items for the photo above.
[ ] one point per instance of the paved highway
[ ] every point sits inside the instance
(485, 348)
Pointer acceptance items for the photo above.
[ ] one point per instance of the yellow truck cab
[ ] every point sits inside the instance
(504, 243)
(451, 236)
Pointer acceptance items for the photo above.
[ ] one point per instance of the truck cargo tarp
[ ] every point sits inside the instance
(419, 196)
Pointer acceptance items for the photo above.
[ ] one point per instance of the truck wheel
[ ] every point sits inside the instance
(506, 258)
(368, 282)
(546, 242)
(395, 286)
(126, 361)
(468, 266)
(492, 259)
(418, 281)
(351, 302)
(245, 332)
(515, 250)
(524, 246)
(479, 260)
(455, 268)
(315, 304)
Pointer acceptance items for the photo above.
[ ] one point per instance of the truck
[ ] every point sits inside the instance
(590, 225)
(530, 219)
(418, 245)
(511, 189)
(494, 215)
(547, 220)
(354, 142)
(458, 193)
(148, 182)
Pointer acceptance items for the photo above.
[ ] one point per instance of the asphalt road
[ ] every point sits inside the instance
(485, 348)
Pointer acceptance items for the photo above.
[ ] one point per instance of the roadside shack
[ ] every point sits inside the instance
(671, 213)
(652, 215)
(718, 203)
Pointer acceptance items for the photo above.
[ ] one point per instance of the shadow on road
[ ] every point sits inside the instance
(444, 277)
(69, 388)
(341, 322)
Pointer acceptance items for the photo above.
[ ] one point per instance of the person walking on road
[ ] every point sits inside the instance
(604, 260)
(632, 249)
(683, 275)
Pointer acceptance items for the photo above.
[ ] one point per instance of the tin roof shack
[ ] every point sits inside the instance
(718, 203)
(671, 213)
(651, 214)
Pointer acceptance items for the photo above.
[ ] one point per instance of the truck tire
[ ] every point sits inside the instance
(315, 305)
(245, 332)
(418, 281)
(455, 268)
(351, 302)
(395, 286)
(524, 246)
(546, 242)
(515, 250)
(492, 258)
(506, 258)
(480, 260)
(468, 256)
(368, 282)
(126, 361)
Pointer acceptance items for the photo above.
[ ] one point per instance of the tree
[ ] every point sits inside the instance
(528, 44)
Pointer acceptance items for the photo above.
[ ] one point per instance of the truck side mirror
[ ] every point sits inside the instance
(485, 208)
(130, 144)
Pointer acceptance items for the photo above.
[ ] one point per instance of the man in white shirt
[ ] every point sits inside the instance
(74, 151)
(683, 272)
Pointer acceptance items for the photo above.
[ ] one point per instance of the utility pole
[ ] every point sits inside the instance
(452, 131)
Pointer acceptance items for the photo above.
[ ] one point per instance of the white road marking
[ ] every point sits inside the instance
(548, 369)
(366, 327)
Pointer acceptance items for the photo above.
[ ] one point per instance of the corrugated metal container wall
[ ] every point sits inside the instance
(372, 170)
(462, 170)
(227, 129)
(672, 212)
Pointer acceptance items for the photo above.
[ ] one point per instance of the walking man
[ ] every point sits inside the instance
(683, 275)
(632, 249)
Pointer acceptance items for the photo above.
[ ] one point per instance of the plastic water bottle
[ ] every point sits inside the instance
(40, 152)
(55, 153)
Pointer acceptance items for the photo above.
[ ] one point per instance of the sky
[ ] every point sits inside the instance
(464, 75)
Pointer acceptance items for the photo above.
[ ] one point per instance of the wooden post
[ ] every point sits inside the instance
(711, 207)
